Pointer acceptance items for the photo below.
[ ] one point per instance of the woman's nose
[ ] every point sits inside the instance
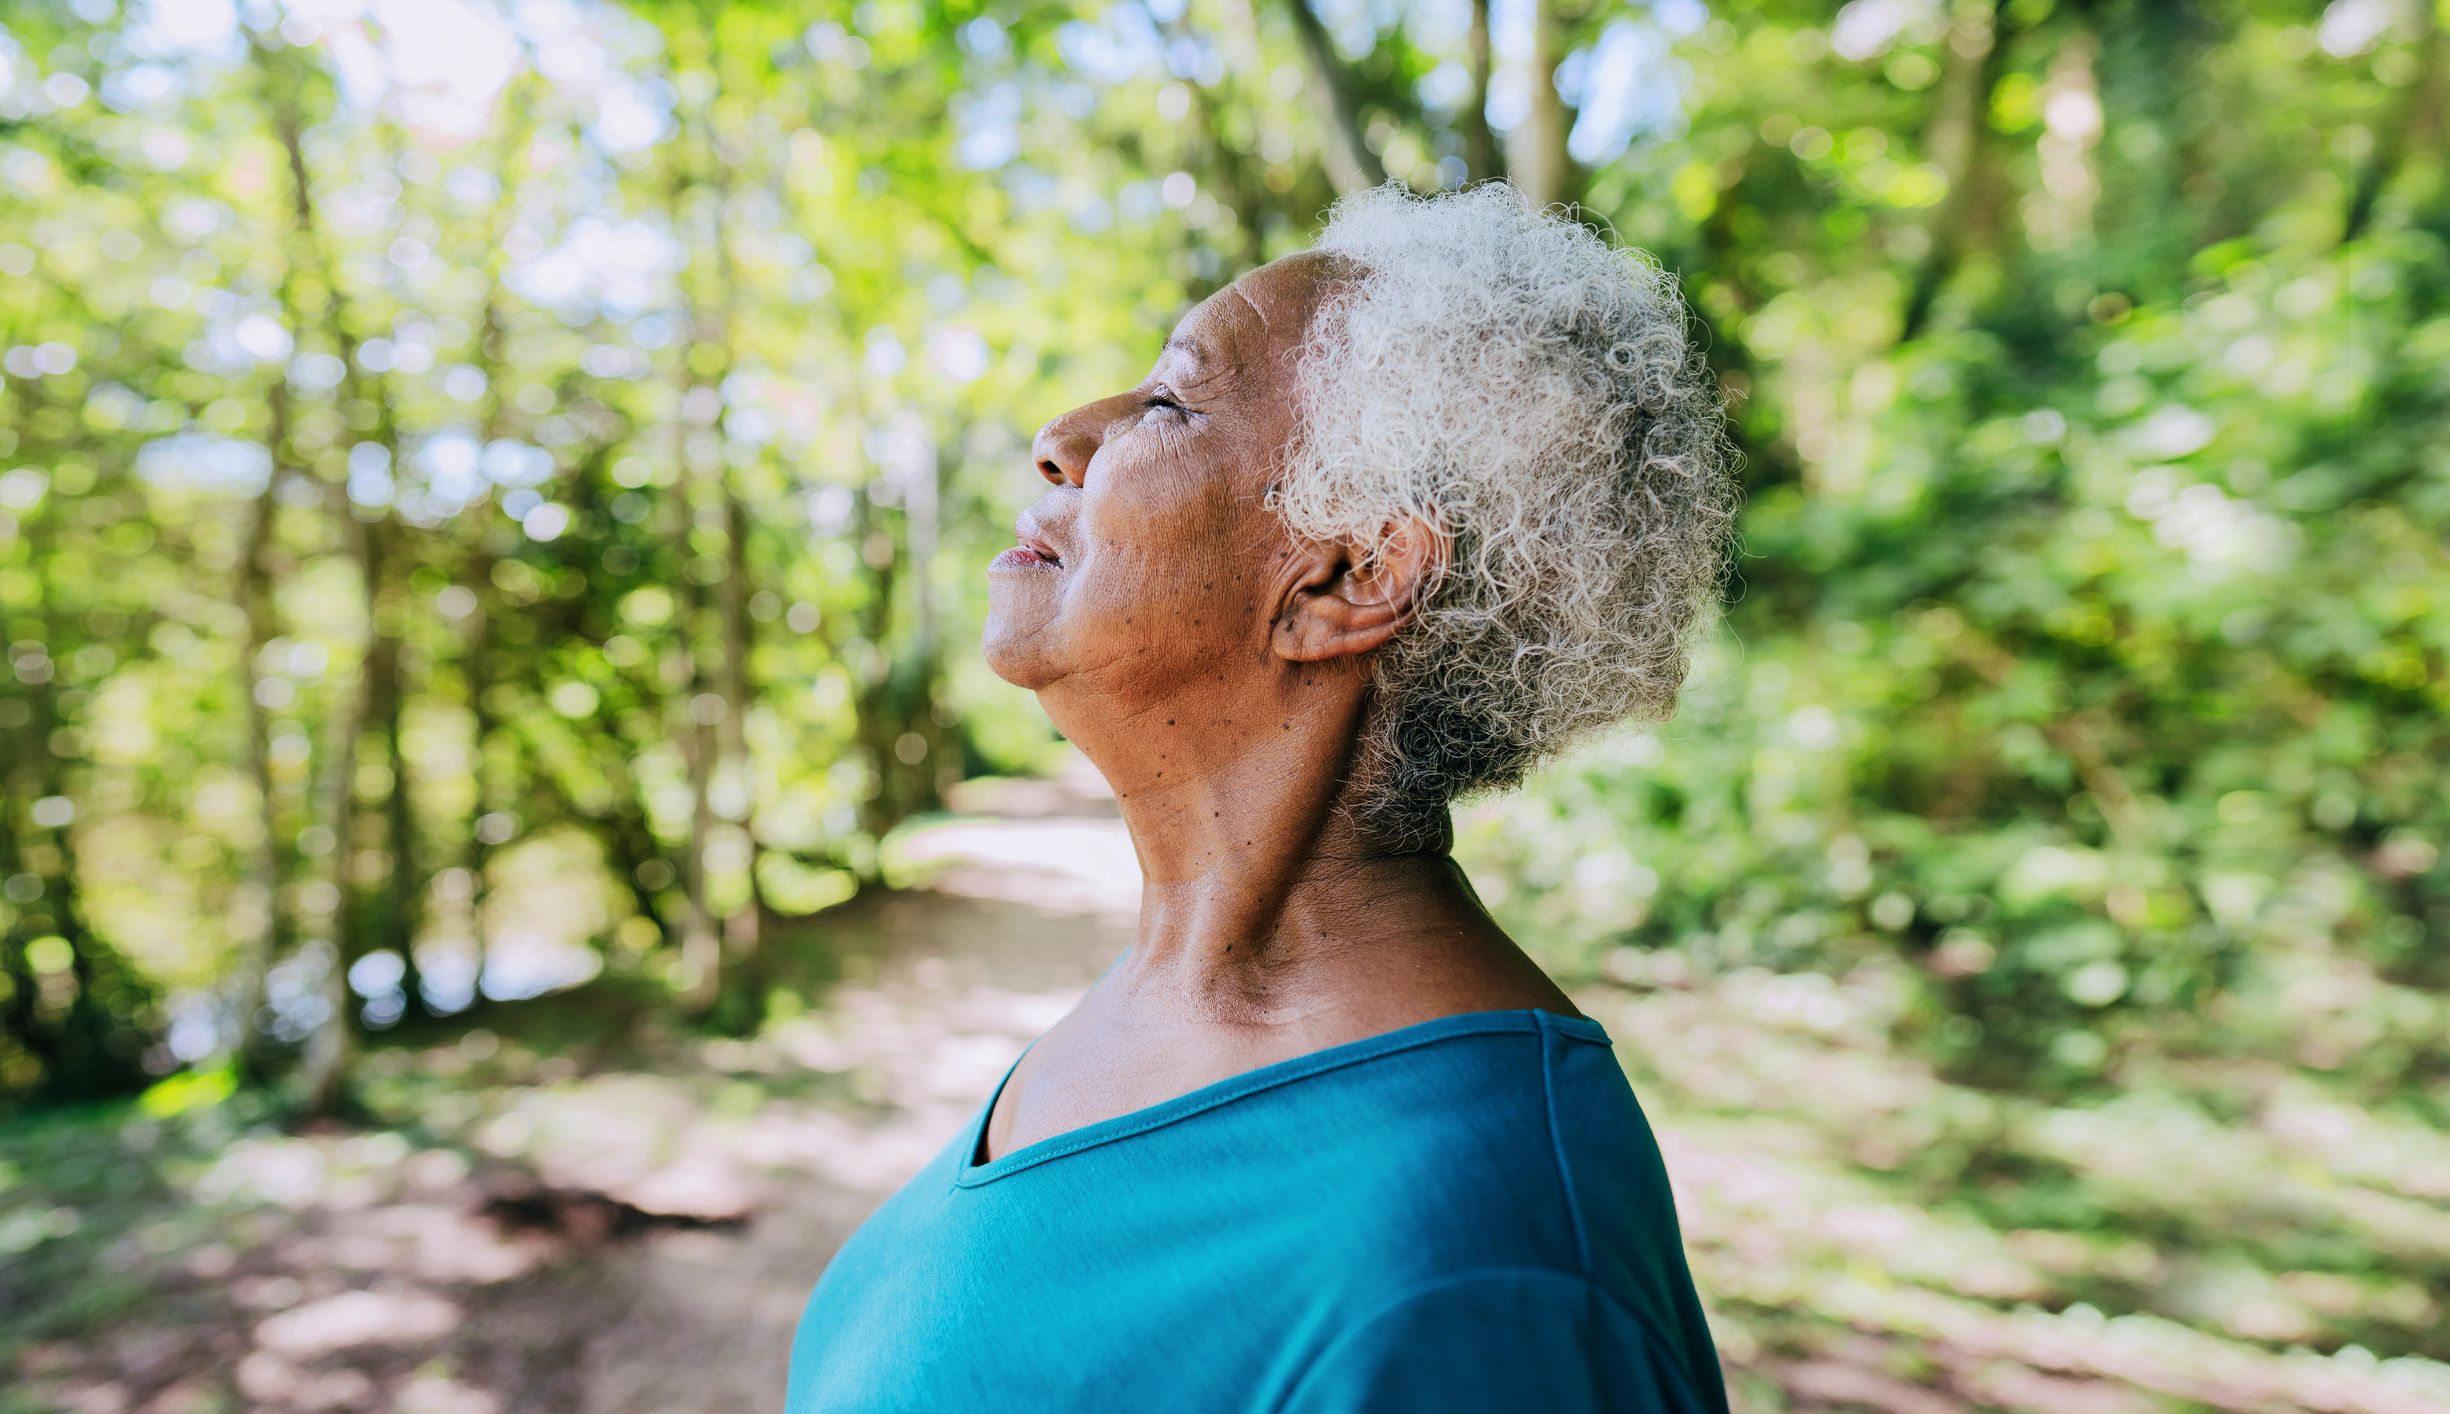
(1063, 448)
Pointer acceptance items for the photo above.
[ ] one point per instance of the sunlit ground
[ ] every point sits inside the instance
(601, 1217)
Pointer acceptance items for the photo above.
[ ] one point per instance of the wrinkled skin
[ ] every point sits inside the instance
(1216, 669)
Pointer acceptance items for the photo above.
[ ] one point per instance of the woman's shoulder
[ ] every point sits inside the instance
(1502, 1130)
(1516, 1159)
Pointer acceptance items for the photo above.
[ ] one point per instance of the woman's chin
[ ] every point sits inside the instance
(1015, 647)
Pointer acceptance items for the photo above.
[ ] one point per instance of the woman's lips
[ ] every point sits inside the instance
(1025, 556)
(1033, 549)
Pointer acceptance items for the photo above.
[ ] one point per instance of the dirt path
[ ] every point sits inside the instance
(634, 1234)
(947, 984)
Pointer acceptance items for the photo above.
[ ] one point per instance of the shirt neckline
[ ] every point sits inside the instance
(968, 1174)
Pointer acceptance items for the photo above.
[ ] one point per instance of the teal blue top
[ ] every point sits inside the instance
(1469, 1213)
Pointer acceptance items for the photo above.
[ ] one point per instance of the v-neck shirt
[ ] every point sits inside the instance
(1466, 1213)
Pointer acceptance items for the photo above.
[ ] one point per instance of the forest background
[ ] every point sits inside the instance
(493, 499)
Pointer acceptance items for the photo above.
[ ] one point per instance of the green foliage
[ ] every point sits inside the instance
(2088, 654)
(538, 497)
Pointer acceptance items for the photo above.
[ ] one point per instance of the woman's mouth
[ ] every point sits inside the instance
(1034, 552)
(1030, 553)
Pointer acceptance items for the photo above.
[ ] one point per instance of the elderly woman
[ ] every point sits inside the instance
(1389, 522)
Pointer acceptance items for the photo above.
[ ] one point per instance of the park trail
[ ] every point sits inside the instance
(1024, 904)
(629, 1227)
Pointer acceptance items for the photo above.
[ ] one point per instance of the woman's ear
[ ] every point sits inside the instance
(1341, 602)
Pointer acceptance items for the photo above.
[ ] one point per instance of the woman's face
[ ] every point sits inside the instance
(1151, 566)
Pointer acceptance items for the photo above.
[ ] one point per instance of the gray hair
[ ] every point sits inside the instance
(1531, 391)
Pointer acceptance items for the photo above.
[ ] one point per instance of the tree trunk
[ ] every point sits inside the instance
(734, 768)
(733, 773)
(697, 458)
(273, 930)
(404, 894)
(1479, 142)
(1961, 140)
(915, 702)
(875, 704)
(1351, 165)
(477, 675)
(492, 359)
(329, 1046)
(701, 944)
(2419, 124)
(1541, 168)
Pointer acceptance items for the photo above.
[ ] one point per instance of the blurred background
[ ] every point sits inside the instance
(507, 849)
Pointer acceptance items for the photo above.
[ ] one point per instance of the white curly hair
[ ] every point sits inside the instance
(1532, 392)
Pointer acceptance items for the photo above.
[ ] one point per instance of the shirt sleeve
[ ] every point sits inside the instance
(1516, 1339)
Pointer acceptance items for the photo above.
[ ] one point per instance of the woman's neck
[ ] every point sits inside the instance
(1265, 900)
